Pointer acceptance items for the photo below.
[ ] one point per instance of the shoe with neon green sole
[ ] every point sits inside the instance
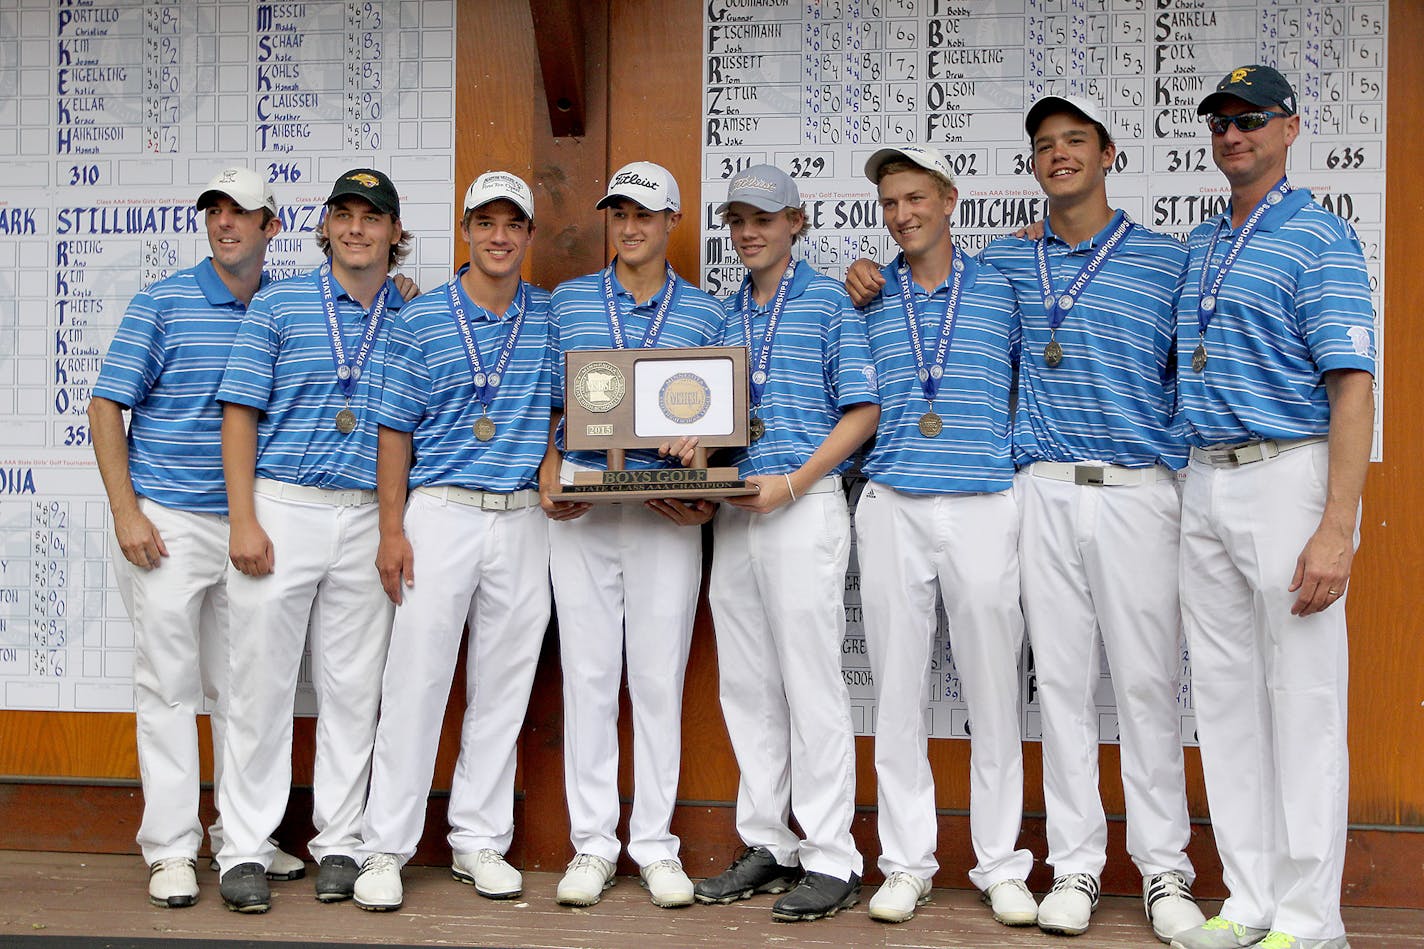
(1279, 940)
(1219, 933)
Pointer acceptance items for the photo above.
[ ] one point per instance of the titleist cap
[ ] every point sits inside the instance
(652, 186)
(764, 187)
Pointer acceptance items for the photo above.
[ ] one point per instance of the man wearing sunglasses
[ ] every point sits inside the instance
(1275, 369)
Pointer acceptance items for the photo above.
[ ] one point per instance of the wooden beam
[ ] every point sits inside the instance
(558, 32)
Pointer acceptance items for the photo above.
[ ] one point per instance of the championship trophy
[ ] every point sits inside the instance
(619, 399)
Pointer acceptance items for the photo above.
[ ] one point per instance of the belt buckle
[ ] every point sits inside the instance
(1250, 454)
(494, 502)
(1088, 474)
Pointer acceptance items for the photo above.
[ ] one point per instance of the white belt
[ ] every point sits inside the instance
(1104, 475)
(1234, 456)
(484, 500)
(826, 485)
(336, 497)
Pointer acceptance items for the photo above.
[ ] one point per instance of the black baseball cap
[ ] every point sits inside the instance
(1257, 85)
(370, 184)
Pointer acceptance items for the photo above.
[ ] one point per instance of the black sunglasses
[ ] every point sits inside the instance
(1246, 121)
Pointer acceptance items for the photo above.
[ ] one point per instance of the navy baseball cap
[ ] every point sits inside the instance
(1261, 86)
(370, 184)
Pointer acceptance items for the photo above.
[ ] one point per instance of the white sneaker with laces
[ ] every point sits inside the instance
(489, 873)
(284, 866)
(173, 882)
(378, 885)
(1068, 907)
(667, 884)
(584, 881)
(1012, 903)
(1170, 906)
(898, 896)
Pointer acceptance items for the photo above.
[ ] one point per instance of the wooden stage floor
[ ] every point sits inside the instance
(54, 900)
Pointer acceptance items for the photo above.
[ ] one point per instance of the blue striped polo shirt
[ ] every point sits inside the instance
(165, 363)
(820, 365)
(430, 391)
(1113, 397)
(281, 363)
(1296, 304)
(578, 320)
(972, 454)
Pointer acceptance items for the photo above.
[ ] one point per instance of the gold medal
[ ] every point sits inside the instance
(756, 428)
(484, 428)
(1052, 354)
(1199, 358)
(931, 425)
(346, 421)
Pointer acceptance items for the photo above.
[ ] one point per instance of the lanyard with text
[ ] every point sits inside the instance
(1209, 287)
(615, 322)
(348, 372)
(931, 374)
(487, 383)
(761, 356)
(1058, 305)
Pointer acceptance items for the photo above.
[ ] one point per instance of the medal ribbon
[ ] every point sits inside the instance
(486, 384)
(1058, 306)
(347, 373)
(615, 322)
(761, 358)
(1206, 296)
(930, 375)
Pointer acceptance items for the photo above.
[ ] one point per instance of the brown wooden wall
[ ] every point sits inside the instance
(642, 85)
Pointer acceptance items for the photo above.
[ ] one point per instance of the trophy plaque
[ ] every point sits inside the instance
(621, 399)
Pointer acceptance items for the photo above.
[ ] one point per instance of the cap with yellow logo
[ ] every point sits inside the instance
(1261, 86)
(370, 184)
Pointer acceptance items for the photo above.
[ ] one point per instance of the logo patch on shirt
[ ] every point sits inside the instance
(1360, 340)
(868, 371)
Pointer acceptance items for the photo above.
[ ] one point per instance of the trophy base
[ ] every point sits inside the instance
(683, 484)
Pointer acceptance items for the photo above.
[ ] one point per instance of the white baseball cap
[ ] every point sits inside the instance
(1050, 105)
(500, 185)
(927, 158)
(652, 186)
(243, 185)
(764, 187)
